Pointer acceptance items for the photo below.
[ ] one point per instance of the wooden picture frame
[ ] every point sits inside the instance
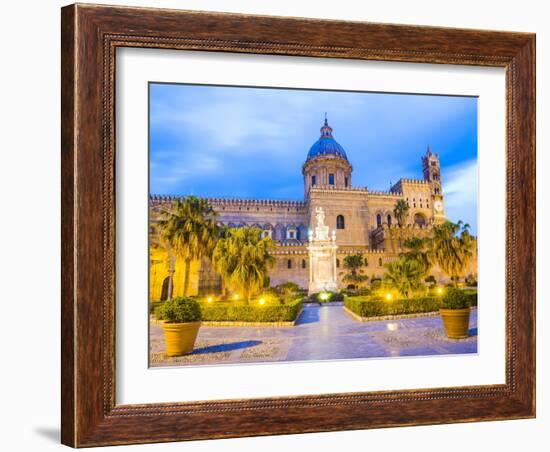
(90, 36)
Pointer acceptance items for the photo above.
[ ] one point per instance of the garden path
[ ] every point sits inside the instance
(321, 333)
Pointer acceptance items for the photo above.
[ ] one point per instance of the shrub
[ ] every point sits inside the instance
(430, 280)
(374, 307)
(375, 283)
(362, 291)
(179, 310)
(471, 280)
(238, 312)
(270, 291)
(454, 299)
(471, 296)
(153, 305)
(288, 288)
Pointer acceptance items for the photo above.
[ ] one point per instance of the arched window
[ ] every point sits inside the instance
(313, 180)
(346, 182)
(303, 263)
(380, 262)
(366, 262)
(337, 263)
(289, 263)
(389, 219)
(378, 220)
(164, 292)
(331, 179)
(420, 220)
(340, 222)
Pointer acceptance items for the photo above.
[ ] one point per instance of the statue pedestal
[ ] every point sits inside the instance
(322, 267)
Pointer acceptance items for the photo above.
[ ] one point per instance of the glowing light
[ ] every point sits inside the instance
(439, 290)
(324, 296)
(391, 326)
(236, 296)
(388, 296)
(261, 301)
(210, 300)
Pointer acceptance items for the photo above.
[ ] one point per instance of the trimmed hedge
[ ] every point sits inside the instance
(231, 312)
(375, 307)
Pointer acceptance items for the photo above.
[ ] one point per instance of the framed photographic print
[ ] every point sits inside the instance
(279, 225)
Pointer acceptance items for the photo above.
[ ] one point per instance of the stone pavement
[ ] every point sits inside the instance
(321, 333)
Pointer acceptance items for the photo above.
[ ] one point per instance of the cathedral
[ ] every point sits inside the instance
(360, 220)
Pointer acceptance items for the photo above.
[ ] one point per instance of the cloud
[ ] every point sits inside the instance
(460, 186)
(252, 142)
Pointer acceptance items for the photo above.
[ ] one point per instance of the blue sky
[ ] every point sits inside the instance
(251, 142)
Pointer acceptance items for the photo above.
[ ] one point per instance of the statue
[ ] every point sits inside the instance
(322, 256)
(320, 216)
(321, 230)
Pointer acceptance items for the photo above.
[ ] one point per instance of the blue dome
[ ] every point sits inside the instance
(326, 145)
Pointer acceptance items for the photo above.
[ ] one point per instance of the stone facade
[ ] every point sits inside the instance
(363, 220)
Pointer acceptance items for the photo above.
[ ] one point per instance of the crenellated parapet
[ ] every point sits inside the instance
(406, 228)
(256, 203)
(282, 249)
(333, 188)
(160, 199)
(412, 183)
(382, 193)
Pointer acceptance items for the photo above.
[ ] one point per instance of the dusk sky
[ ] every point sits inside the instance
(251, 142)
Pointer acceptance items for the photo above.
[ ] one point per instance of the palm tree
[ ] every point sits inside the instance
(353, 264)
(400, 211)
(452, 248)
(417, 250)
(190, 231)
(403, 275)
(242, 259)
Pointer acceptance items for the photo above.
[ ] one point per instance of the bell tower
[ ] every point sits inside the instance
(432, 174)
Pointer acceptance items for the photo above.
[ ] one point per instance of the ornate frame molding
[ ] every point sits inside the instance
(90, 37)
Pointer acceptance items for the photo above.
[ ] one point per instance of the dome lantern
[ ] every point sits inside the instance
(326, 144)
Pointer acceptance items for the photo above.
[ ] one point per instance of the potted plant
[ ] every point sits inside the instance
(455, 313)
(181, 320)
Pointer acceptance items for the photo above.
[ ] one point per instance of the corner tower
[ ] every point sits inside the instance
(326, 164)
(432, 174)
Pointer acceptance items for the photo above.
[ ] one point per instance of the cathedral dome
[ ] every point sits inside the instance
(326, 145)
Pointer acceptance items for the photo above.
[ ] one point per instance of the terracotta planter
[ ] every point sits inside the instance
(456, 322)
(180, 337)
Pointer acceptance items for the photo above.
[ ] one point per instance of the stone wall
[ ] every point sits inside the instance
(352, 204)
(159, 271)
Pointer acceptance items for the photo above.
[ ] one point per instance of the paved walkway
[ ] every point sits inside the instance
(322, 332)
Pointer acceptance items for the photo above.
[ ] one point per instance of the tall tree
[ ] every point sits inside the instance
(354, 264)
(452, 248)
(417, 249)
(403, 275)
(400, 211)
(243, 260)
(189, 227)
